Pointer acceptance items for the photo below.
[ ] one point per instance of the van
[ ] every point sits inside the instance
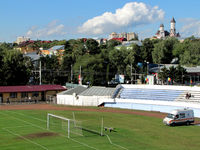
(179, 116)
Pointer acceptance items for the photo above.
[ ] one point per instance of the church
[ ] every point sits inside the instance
(162, 34)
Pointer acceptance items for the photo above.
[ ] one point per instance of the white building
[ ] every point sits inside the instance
(129, 36)
(22, 39)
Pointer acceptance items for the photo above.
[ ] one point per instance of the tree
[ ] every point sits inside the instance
(164, 74)
(15, 68)
(91, 69)
(117, 58)
(172, 73)
(191, 55)
(147, 49)
(112, 43)
(92, 46)
(162, 52)
(180, 74)
(50, 69)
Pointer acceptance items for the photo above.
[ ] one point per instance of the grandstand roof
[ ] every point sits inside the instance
(77, 90)
(98, 91)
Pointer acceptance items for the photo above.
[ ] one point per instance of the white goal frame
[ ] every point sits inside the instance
(59, 117)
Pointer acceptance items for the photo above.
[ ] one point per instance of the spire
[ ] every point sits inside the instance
(173, 20)
(161, 25)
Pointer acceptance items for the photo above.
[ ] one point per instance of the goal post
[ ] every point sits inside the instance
(73, 127)
(61, 118)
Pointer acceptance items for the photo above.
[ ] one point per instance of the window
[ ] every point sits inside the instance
(13, 95)
(24, 94)
(177, 116)
(36, 94)
(182, 115)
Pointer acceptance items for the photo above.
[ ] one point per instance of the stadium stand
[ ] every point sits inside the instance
(150, 94)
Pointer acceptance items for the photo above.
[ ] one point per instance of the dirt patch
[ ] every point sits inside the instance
(39, 135)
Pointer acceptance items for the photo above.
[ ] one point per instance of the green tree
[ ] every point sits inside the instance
(15, 68)
(91, 69)
(163, 75)
(92, 46)
(112, 43)
(50, 69)
(162, 52)
(146, 50)
(180, 74)
(191, 55)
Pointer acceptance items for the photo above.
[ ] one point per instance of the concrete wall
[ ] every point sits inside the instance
(155, 107)
(82, 100)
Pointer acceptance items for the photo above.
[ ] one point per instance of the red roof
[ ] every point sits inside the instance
(120, 39)
(30, 88)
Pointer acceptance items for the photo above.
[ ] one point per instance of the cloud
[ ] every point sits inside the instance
(51, 29)
(131, 14)
(191, 27)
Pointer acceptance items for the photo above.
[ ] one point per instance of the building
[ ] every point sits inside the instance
(85, 96)
(55, 50)
(101, 41)
(29, 93)
(22, 39)
(128, 44)
(162, 33)
(128, 36)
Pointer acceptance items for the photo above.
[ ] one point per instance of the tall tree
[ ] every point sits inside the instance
(92, 46)
(15, 68)
(162, 52)
(146, 50)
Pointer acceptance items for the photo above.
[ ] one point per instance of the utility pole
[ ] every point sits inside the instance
(131, 74)
(80, 77)
(71, 74)
(40, 73)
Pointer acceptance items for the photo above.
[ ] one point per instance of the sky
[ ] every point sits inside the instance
(72, 19)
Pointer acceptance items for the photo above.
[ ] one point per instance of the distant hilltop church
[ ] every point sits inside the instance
(161, 33)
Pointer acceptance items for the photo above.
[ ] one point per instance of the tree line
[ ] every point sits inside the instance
(99, 62)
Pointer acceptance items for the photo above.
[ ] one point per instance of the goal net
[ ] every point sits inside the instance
(64, 125)
(91, 125)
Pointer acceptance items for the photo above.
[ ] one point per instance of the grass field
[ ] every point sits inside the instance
(26, 130)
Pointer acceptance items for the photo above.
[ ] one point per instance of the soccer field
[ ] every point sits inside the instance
(27, 130)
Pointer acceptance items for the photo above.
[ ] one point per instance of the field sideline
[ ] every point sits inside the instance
(24, 127)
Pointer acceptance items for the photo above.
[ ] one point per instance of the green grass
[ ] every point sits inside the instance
(133, 132)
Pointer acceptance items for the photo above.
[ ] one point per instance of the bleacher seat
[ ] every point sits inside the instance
(150, 94)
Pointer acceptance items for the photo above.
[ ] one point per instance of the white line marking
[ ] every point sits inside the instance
(25, 138)
(46, 129)
(66, 136)
(16, 127)
(26, 116)
(114, 143)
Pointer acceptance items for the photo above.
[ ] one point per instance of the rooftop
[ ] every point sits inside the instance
(77, 90)
(30, 88)
(98, 91)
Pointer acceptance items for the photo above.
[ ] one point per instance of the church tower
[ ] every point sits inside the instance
(173, 28)
(162, 31)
